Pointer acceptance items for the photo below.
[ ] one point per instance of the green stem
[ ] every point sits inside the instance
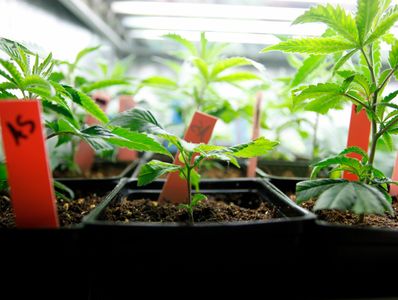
(314, 138)
(361, 218)
(370, 66)
(54, 134)
(191, 220)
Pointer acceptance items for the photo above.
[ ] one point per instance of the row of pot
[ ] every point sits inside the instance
(282, 246)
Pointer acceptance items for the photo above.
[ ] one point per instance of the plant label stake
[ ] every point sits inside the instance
(199, 131)
(358, 135)
(393, 187)
(252, 166)
(28, 169)
(126, 102)
(85, 155)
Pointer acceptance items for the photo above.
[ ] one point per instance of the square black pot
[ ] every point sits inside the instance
(41, 261)
(252, 239)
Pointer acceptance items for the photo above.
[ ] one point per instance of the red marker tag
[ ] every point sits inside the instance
(28, 170)
(85, 155)
(252, 166)
(199, 131)
(393, 187)
(358, 135)
(126, 102)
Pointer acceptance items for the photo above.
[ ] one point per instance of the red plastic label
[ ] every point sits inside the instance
(199, 131)
(126, 102)
(252, 165)
(358, 135)
(85, 155)
(28, 170)
(393, 187)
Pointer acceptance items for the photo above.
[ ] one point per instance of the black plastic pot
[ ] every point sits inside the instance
(41, 261)
(283, 168)
(127, 170)
(203, 248)
(356, 259)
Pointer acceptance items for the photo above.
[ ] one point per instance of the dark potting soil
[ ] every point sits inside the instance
(217, 208)
(348, 218)
(69, 212)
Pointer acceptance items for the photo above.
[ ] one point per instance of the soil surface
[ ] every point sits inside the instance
(348, 218)
(98, 172)
(70, 212)
(217, 208)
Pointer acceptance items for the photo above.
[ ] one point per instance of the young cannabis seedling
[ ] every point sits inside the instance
(191, 155)
(361, 81)
(201, 74)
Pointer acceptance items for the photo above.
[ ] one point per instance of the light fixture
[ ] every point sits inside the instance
(204, 10)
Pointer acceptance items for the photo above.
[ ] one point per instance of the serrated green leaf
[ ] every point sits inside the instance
(228, 63)
(137, 141)
(335, 17)
(7, 95)
(46, 62)
(14, 75)
(184, 42)
(343, 60)
(354, 196)
(309, 65)
(257, 147)
(160, 82)
(154, 169)
(35, 81)
(387, 140)
(56, 76)
(202, 67)
(366, 12)
(237, 76)
(322, 104)
(87, 103)
(87, 88)
(308, 189)
(384, 25)
(348, 162)
(393, 55)
(61, 110)
(82, 53)
(354, 149)
(390, 96)
(316, 45)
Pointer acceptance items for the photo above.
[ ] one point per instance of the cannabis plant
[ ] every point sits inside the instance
(359, 78)
(202, 76)
(28, 76)
(191, 155)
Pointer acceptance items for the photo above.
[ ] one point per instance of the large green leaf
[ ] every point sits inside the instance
(309, 65)
(138, 119)
(335, 17)
(385, 24)
(354, 196)
(154, 169)
(137, 141)
(316, 45)
(306, 190)
(103, 84)
(184, 42)
(82, 53)
(366, 12)
(349, 163)
(202, 67)
(393, 55)
(344, 59)
(238, 76)
(13, 73)
(87, 103)
(257, 147)
(160, 82)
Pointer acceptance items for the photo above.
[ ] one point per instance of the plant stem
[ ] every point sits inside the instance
(314, 138)
(189, 169)
(370, 66)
